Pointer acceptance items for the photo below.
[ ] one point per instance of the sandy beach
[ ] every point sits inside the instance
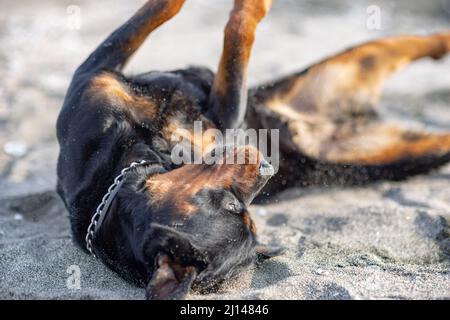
(389, 240)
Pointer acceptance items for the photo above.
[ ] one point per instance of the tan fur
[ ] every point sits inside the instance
(176, 127)
(355, 77)
(328, 109)
(384, 144)
(106, 86)
(248, 222)
(238, 42)
(171, 8)
(179, 186)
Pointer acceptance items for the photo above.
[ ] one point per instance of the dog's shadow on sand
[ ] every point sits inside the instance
(277, 270)
(436, 229)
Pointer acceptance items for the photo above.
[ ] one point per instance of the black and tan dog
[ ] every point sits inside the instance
(171, 227)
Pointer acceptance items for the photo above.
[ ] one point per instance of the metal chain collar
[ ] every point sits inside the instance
(102, 209)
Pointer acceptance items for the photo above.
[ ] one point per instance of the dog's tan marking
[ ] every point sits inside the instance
(115, 51)
(177, 127)
(179, 186)
(353, 80)
(107, 87)
(330, 109)
(229, 91)
(155, 13)
(248, 222)
(253, 228)
(385, 144)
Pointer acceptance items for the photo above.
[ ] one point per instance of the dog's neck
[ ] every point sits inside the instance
(125, 218)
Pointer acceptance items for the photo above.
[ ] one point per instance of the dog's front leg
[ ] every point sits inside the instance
(115, 51)
(228, 98)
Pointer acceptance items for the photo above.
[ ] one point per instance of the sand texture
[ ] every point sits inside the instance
(389, 240)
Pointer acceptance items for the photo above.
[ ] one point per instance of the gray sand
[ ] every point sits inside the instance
(386, 240)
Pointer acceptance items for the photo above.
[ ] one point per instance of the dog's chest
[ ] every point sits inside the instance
(184, 126)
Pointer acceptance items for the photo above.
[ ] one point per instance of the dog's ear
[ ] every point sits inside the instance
(264, 252)
(173, 242)
(172, 257)
(170, 281)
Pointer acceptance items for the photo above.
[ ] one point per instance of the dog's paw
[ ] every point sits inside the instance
(264, 252)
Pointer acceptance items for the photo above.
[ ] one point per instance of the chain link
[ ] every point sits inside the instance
(98, 213)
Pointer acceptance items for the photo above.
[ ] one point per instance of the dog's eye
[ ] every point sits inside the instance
(233, 207)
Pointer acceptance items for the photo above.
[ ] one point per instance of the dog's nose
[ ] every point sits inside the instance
(265, 168)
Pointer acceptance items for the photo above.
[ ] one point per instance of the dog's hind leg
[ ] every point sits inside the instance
(115, 51)
(352, 80)
(228, 98)
(328, 114)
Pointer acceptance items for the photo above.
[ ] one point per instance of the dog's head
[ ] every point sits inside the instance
(201, 232)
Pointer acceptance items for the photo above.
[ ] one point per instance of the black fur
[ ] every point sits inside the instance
(156, 246)
(97, 141)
